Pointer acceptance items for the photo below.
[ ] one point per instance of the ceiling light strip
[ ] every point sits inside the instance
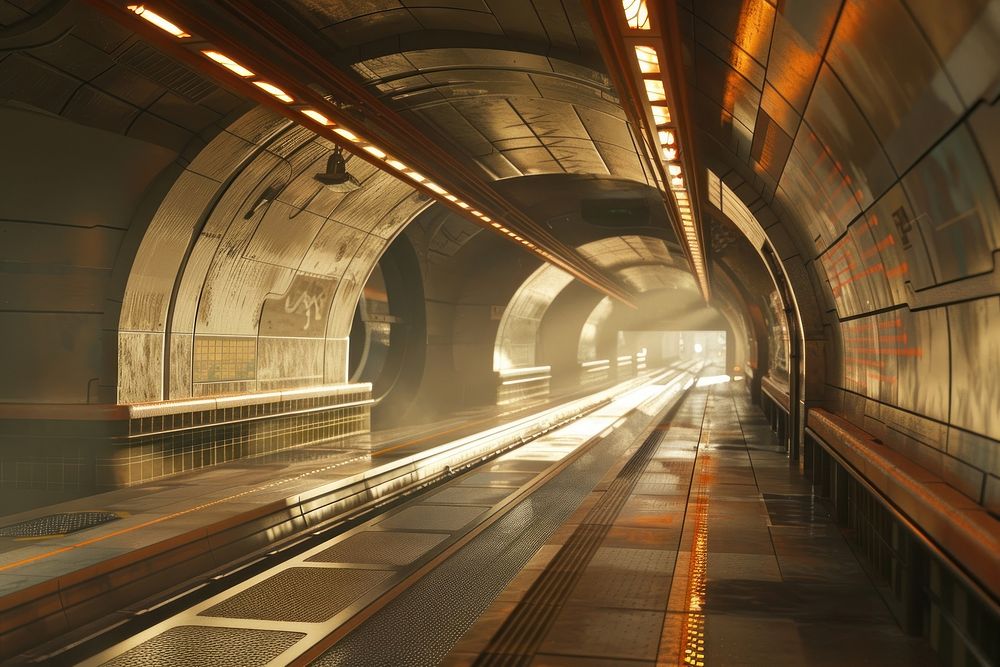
(640, 61)
(372, 152)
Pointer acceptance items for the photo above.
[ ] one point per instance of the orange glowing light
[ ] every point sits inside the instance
(228, 63)
(636, 14)
(274, 91)
(655, 91)
(316, 116)
(649, 62)
(157, 20)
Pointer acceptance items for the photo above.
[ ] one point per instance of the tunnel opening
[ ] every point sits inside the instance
(387, 340)
(664, 346)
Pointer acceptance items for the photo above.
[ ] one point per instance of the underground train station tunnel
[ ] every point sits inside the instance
(500, 332)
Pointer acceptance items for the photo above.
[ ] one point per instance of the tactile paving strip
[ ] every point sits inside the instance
(524, 630)
(192, 645)
(421, 625)
(57, 524)
(300, 594)
(382, 548)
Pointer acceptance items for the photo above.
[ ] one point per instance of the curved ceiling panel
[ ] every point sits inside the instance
(514, 113)
(517, 335)
(510, 84)
(248, 281)
(588, 347)
(559, 25)
(616, 252)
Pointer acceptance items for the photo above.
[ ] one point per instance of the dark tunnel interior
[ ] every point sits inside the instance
(533, 202)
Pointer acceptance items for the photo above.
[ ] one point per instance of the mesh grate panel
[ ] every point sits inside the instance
(383, 548)
(300, 594)
(192, 645)
(57, 524)
(469, 495)
(432, 517)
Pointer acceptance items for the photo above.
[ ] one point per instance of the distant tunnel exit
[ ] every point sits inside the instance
(667, 346)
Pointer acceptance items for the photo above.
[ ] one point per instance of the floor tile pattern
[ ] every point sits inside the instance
(740, 565)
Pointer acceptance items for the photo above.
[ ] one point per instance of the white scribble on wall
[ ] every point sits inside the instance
(309, 305)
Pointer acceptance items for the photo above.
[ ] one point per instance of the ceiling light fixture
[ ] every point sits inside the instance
(157, 20)
(316, 116)
(282, 85)
(649, 62)
(336, 177)
(229, 63)
(347, 134)
(274, 91)
(636, 14)
(654, 90)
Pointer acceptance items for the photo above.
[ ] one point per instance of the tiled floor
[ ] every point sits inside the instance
(720, 556)
(319, 592)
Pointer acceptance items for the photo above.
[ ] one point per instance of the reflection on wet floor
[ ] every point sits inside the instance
(758, 572)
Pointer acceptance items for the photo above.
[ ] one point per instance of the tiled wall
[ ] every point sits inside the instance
(159, 440)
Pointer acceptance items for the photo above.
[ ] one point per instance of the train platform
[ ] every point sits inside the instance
(664, 528)
(168, 537)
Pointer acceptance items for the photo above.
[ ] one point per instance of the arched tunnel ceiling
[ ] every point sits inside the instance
(528, 103)
(555, 25)
(513, 113)
(643, 262)
(248, 273)
(829, 112)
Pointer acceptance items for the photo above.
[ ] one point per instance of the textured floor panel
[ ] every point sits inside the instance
(420, 626)
(57, 524)
(196, 646)
(300, 594)
(626, 589)
(497, 478)
(667, 478)
(380, 547)
(570, 577)
(469, 495)
(660, 489)
(583, 631)
(432, 517)
(517, 464)
(654, 561)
